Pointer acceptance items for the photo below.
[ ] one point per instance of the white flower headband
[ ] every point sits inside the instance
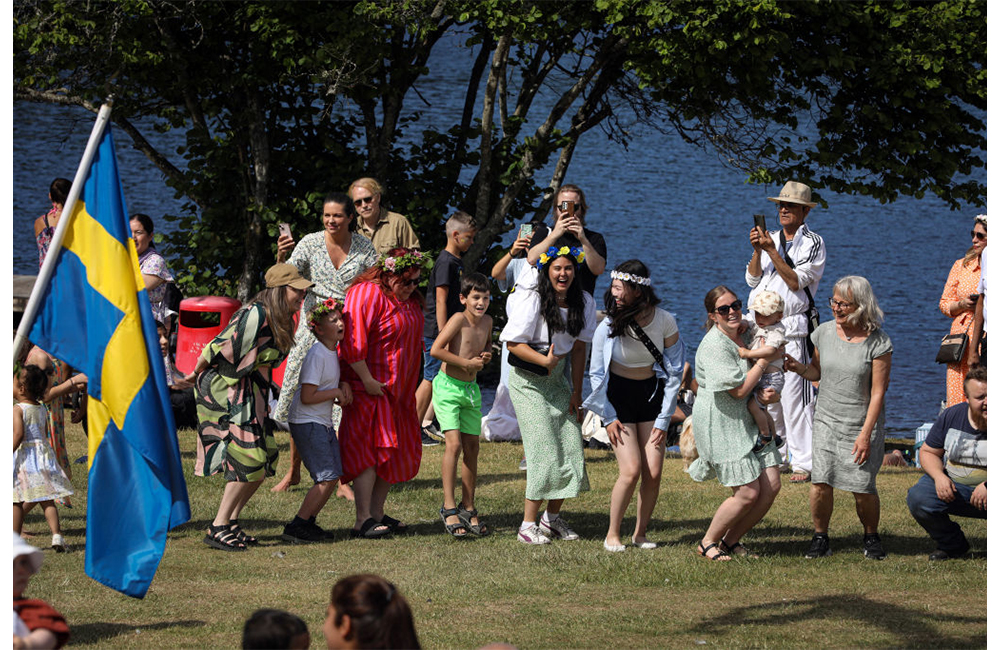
(628, 277)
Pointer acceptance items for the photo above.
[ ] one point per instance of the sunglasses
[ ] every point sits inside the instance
(410, 283)
(724, 309)
(978, 235)
(363, 201)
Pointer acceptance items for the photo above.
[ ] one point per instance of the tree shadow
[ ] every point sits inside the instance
(911, 627)
(91, 632)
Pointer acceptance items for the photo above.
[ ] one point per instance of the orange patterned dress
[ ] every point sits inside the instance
(962, 281)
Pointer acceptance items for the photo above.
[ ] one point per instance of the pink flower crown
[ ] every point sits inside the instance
(321, 309)
(400, 263)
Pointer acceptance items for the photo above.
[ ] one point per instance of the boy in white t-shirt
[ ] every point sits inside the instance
(310, 418)
(768, 341)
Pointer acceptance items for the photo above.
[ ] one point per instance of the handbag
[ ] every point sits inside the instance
(953, 347)
(534, 368)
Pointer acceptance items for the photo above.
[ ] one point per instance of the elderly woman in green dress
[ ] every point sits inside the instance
(724, 430)
(231, 382)
(852, 362)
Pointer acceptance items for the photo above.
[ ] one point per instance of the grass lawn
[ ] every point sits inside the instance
(465, 593)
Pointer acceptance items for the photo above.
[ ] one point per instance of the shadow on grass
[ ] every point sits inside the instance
(912, 626)
(93, 632)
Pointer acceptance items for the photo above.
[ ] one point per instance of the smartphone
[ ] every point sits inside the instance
(568, 207)
(973, 297)
(759, 221)
(284, 229)
(526, 230)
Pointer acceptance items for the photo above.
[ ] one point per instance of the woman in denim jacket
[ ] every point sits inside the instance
(634, 392)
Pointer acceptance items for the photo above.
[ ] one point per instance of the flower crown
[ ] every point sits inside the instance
(576, 253)
(628, 277)
(322, 309)
(400, 263)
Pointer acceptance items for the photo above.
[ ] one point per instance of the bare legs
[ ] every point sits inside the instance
(294, 475)
(234, 497)
(741, 512)
(370, 493)
(637, 459)
(532, 506)
(316, 498)
(468, 445)
(51, 516)
(769, 484)
(867, 506)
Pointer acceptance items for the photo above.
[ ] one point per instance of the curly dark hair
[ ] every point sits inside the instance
(34, 381)
(574, 295)
(620, 317)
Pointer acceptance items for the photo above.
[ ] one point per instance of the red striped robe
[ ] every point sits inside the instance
(381, 432)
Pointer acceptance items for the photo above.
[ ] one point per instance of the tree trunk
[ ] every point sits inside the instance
(260, 154)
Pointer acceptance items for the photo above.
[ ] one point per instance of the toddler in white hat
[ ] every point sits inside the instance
(768, 337)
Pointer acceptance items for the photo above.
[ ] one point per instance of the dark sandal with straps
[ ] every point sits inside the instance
(248, 540)
(222, 538)
(733, 550)
(482, 528)
(453, 529)
(370, 530)
(720, 554)
(395, 525)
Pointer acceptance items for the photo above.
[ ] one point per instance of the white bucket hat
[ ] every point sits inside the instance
(766, 303)
(22, 547)
(794, 192)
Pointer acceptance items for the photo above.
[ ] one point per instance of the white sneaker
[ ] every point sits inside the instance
(523, 466)
(558, 528)
(58, 544)
(532, 535)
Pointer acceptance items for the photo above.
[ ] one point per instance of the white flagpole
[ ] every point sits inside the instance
(45, 273)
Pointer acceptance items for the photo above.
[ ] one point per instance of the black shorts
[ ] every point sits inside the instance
(635, 400)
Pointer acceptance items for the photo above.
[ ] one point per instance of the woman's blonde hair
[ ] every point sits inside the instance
(280, 317)
(868, 315)
(973, 252)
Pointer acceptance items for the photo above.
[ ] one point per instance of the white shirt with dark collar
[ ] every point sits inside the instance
(808, 252)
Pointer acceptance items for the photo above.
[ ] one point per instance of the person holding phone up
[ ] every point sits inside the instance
(569, 211)
(790, 262)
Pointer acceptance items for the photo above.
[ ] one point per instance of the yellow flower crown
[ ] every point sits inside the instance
(575, 253)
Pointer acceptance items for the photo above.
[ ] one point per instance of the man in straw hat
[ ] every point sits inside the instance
(790, 261)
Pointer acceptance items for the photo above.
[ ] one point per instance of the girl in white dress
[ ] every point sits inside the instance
(37, 475)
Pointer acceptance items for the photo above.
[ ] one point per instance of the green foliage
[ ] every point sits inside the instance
(282, 102)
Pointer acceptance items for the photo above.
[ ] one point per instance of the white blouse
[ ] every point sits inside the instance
(526, 325)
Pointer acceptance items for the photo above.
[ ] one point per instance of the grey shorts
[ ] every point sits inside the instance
(320, 451)
(775, 380)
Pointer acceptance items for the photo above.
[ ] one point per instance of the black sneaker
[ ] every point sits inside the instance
(873, 547)
(327, 534)
(426, 440)
(299, 531)
(820, 547)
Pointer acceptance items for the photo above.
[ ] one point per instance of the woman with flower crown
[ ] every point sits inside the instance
(549, 317)
(381, 356)
(331, 258)
(635, 372)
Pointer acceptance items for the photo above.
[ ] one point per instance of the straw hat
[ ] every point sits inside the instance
(794, 192)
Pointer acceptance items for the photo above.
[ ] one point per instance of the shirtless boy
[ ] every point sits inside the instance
(464, 348)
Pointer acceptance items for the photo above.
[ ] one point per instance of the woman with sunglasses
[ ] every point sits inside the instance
(331, 258)
(724, 430)
(381, 356)
(852, 360)
(385, 229)
(958, 302)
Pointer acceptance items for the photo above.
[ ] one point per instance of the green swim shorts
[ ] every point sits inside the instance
(457, 404)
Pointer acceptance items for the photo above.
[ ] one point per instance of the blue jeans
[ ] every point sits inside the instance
(933, 514)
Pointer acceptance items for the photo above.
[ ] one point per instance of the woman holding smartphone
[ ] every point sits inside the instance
(569, 211)
(958, 302)
(331, 259)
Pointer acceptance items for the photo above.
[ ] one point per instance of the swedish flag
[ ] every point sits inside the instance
(96, 316)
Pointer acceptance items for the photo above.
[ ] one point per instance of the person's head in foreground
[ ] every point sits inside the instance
(268, 629)
(366, 611)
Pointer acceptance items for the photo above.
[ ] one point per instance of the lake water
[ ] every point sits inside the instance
(679, 209)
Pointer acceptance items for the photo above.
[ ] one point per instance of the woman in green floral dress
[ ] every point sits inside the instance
(724, 430)
(232, 380)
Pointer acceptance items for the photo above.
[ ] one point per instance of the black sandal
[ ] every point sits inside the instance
(248, 540)
(223, 538)
(369, 530)
(731, 550)
(720, 554)
(482, 528)
(395, 525)
(454, 528)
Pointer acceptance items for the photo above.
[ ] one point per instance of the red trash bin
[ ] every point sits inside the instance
(201, 318)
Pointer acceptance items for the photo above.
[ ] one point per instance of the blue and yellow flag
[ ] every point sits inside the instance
(96, 317)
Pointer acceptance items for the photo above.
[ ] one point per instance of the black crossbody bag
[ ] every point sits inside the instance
(812, 314)
(534, 368)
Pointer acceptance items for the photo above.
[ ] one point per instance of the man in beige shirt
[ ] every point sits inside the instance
(386, 230)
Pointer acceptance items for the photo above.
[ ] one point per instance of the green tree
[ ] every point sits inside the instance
(276, 99)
